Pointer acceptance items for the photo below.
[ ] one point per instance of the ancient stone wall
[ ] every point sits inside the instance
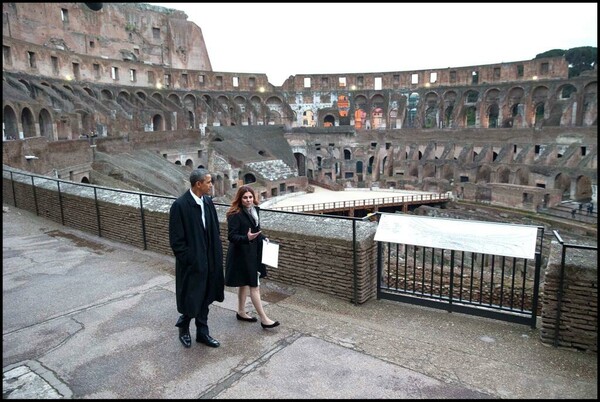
(132, 70)
(577, 327)
(316, 252)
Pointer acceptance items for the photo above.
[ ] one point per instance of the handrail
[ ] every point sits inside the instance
(364, 203)
(140, 195)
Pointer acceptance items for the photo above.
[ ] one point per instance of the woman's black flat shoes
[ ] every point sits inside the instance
(265, 326)
(251, 319)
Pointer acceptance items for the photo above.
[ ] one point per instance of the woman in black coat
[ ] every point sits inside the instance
(244, 255)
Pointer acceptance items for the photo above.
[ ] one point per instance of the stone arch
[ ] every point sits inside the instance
(447, 171)
(189, 102)
(87, 123)
(429, 170)
(123, 95)
(539, 97)
(158, 97)
(448, 105)
(563, 182)
(431, 110)
(28, 123)
(274, 117)
(10, 123)
(105, 94)
(359, 167)
(329, 120)
(158, 123)
(493, 115)
(360, 112)
(583, 188)
(590, 104)
(377, 118)
(275, 110)
(412, 108)
(483, 174)
(515, 105)
(301, 163)
(521, 177)
(175, 99)
(30, 91)
(308, 119)
(377, 114)
(249, 178)
(90, 92)
(565, 91)
(470, 116)
(471, 96)
(503, 175)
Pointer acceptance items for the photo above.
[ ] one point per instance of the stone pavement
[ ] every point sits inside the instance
(84, 317)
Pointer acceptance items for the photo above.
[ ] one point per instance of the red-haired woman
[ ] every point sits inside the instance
(244, 255)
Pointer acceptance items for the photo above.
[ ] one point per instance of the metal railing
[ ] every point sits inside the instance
(493, 286)
(134, 199)
(561, 280)
(373, 202)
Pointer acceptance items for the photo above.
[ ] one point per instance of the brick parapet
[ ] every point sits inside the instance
(578, 326)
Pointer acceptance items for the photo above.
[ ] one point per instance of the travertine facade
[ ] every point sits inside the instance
(518, 133)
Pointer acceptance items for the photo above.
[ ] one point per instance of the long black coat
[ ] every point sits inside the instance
(198, 254)
(243, 256)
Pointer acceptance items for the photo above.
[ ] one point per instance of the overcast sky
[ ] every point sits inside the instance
(284, 39)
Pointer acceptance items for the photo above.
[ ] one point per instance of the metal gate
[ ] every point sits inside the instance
(489, 285)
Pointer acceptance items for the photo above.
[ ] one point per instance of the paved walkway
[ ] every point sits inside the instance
(84, 317)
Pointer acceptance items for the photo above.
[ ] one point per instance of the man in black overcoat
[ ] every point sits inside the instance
(196, 243)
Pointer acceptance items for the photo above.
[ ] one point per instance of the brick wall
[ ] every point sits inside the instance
(315, 251)
(578, 326)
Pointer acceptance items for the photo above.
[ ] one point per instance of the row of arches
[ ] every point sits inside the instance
(492, 108)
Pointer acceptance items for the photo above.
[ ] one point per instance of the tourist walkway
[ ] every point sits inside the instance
(84, 317)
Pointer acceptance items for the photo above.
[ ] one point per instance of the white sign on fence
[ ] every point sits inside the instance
(503, 239)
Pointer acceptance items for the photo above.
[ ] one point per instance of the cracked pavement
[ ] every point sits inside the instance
(84, 317)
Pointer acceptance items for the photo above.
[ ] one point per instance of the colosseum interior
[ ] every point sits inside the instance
(125, 96)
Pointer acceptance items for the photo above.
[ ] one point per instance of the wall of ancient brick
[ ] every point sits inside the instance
(578, 325)
(309, 256)
(315, 251)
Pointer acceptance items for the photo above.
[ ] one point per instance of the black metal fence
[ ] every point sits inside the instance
(144, 202)
(494, 286)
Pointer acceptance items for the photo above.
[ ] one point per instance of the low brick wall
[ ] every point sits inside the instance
(315, 252)
(578, 327)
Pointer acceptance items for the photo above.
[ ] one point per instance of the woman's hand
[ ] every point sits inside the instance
(252, 236)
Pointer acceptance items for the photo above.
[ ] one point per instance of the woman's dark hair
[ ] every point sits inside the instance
(236, 204)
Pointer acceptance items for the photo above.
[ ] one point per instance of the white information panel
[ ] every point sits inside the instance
(270, 253)
(503, 239)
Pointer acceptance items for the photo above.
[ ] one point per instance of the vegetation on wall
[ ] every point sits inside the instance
(580, 59)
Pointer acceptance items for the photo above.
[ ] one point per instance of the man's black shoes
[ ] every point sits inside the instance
(185, 338)
(207, 340)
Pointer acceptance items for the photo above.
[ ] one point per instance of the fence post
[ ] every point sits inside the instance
(34, 196)
(143, 223)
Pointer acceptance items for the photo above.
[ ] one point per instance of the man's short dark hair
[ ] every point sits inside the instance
(198, 175)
